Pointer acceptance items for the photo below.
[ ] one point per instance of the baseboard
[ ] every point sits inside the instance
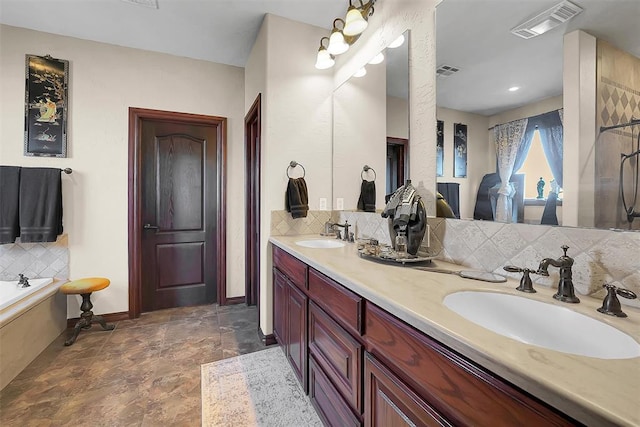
(235, 300)
(108, 317)
(267, 339)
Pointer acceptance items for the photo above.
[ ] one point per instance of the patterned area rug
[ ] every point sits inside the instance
(256, 389)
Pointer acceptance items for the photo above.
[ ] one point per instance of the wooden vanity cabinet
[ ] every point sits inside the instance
(290, 311)
(455, 388)
(364, 365)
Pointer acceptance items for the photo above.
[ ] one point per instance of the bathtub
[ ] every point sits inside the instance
(30, 319)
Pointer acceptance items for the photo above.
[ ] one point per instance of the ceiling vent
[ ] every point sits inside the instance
(547, 20)
(446, 70)
(152, 4)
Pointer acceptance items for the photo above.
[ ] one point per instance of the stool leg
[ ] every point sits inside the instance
(102, 322)
(86, 319)
(82, 323)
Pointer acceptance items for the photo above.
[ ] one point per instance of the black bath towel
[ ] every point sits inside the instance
(297, 198)
(367, 200)
(40, 205)
(9, 202)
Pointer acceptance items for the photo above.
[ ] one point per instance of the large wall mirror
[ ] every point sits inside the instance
(488, 76)
(371, 128)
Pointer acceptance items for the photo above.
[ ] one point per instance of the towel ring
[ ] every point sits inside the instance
(292, 165)
(368, 168)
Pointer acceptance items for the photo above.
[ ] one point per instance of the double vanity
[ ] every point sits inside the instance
(378, 345)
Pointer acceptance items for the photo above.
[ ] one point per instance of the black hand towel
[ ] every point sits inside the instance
(40, 205)
(297, 198)
(367, 200)
(9, 202)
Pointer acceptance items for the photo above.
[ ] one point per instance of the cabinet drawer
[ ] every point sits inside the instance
(460, 390)
(339, 354)
(389, 402)
(345, 306)
(331, 407)
(292, 267)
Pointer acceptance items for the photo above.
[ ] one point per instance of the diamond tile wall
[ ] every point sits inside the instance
(600, 255)
(282, 224)
(35, 259)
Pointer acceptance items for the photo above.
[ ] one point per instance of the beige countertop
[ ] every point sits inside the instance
(593, 391)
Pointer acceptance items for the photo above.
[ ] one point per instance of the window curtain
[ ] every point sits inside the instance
(508, 139)
(551, 134)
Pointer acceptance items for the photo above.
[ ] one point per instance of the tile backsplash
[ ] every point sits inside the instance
(600, 255)
(35, 259)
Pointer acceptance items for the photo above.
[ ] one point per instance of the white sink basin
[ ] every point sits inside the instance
(320, 243)
(544, 325)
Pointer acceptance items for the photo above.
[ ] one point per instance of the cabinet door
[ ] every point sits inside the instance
(390, 403)
(338, 353)
(297, 333)
(331, 407)
(280, 299)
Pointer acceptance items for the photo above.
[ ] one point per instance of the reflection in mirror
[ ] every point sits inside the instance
(371, 128)
(586, 163)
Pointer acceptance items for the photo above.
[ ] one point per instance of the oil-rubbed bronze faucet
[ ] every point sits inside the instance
(565, 285)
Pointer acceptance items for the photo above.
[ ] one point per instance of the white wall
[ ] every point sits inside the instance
(359, 136)
(481, 155)
(533, 109)
(296, 124)
(397, 117)
(106, 80)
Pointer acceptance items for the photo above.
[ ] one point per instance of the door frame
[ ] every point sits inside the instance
(136, 115)
(252, 169)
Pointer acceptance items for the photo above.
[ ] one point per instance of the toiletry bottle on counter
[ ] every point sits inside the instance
(401, 245)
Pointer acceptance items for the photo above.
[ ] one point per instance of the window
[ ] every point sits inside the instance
(536, 166)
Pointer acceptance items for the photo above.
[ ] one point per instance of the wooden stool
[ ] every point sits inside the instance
(85, 287)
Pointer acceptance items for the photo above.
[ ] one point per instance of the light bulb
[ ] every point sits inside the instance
(397, 42)
(324, 59)
(354, 22)
(377, 59)
(337, 45)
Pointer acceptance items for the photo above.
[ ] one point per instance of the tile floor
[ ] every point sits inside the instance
(146, 372)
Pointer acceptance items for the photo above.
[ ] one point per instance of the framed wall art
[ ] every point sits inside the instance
(440, 149)
(459, 150)
(46, 106)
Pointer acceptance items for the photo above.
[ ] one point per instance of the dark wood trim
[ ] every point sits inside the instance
(252, 150)
(235, 300)
(109, 318)
(136, 115)
(403, 171)
(266, 339)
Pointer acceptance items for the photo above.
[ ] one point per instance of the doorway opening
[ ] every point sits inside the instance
(252, 133)
(177, 210)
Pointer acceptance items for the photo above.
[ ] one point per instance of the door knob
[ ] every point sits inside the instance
(150, 227)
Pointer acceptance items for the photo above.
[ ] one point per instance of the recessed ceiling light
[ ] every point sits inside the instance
(153, 4)
(513, 88)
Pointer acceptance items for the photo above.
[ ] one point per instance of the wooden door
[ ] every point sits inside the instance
(179, 184)
(252, 194)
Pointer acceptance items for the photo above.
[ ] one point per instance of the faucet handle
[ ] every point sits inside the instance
(525, 282)
(611, 304)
